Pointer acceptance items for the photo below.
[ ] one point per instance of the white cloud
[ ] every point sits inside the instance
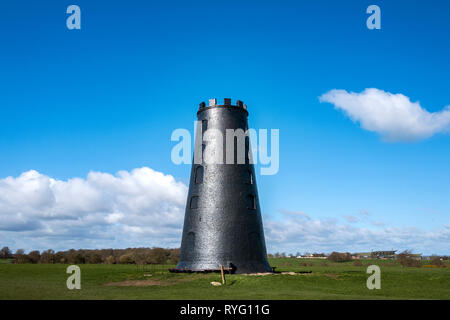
(140, 208)
(291, 212)
(377, 223)
(364, 213)
(351, 219)
(146, 208)
(295, 234)
(393, 116)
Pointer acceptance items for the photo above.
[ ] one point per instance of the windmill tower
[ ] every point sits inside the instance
(222, 224)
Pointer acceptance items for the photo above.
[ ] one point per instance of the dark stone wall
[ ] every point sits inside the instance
(223, 218)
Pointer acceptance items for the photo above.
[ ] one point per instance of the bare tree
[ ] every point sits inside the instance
(174, 256)
(95, 258)
(126, 258)
(437, 261)
(158, 256)
(340, 256)
(34, 256)
(110, 260)
(21, 257)
(5, 253)
(48, 256)
(406, 259)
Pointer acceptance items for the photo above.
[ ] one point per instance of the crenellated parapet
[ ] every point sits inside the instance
(226, 103)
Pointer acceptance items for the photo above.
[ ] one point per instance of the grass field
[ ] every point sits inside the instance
(331, 281)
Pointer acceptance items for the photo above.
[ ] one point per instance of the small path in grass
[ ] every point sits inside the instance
(151, 282)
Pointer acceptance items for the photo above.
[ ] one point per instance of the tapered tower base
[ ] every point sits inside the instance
(223, 224)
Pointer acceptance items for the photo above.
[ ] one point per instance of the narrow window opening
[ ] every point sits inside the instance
(251, 202)
(199, 174)
(194, 202)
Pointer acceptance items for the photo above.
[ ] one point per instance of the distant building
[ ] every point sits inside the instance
(375, 255)
(362, 255)
(383, 254)
(313, 256)
(319, 255)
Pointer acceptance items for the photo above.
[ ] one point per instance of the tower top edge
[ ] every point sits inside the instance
(226, 102)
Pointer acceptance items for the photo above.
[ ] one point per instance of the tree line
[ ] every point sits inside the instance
(158, 255)
(108, 256)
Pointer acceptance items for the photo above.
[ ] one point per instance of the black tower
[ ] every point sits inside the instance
(222, 224)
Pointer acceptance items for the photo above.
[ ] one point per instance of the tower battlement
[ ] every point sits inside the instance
(226, 103)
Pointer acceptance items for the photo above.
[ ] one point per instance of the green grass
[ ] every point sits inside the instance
(331, 281)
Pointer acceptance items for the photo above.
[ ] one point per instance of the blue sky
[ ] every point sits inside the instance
(107, 98)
